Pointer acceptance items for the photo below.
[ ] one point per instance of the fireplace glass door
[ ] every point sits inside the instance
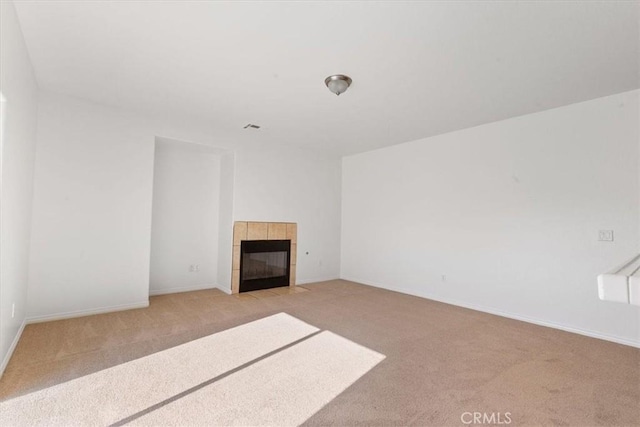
(264, 264)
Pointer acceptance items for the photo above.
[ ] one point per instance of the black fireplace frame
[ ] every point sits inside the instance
(256, 246)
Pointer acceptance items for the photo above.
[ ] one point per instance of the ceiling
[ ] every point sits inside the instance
(419, 68)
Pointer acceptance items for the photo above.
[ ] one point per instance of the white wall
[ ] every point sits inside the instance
(299, 186)
(92, 210)
(509, 212)
(18, 86)
(225, 225)
(93, 203)
(185, 219)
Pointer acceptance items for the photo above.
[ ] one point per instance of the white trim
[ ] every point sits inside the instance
(81, 313)
(179, 289)
(308, 281)
(12, 347)
(225, 290)
(592, 334)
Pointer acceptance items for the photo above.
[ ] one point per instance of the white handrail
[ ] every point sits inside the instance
(621, 284)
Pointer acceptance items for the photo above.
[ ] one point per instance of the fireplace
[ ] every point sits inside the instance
(264, 264)
(264, 255)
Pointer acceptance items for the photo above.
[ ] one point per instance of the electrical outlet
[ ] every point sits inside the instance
(192, 268)
(444, 278)
(605, 235)
(13, 310)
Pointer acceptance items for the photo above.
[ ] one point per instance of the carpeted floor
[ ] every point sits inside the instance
(443, 363)
(276, 371)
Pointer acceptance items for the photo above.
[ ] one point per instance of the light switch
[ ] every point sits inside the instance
(605, 235)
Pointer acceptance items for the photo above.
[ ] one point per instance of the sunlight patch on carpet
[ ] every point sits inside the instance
(277, 370)
(107, 396)
(282, 390)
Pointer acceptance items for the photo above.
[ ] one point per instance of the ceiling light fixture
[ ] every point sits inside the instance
(338, 83)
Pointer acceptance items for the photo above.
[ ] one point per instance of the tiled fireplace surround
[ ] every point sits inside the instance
(248, 230)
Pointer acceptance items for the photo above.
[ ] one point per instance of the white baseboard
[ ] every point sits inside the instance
(154, 292)
(579, 331)
(307, 281)
(225, 290)
(81, 313)
(12, 347)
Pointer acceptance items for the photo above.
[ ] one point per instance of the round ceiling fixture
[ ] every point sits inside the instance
(338, 83)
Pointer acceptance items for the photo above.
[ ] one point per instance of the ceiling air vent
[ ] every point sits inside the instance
(252, 126)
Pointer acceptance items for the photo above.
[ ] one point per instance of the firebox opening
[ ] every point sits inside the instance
(264, 264)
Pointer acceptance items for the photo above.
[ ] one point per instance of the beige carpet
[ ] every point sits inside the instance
(282, 390)
(441, 360)
(273, 371)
